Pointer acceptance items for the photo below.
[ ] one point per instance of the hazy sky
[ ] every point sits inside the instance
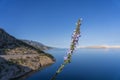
(52, 22)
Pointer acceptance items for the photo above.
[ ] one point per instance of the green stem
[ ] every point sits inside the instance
(68, 60)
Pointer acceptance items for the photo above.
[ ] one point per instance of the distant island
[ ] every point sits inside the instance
(102, 47)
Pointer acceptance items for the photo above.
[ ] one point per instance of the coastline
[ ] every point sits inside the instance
(15, 67)
(25, 76)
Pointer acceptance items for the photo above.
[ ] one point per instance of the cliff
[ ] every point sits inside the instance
(17, 58)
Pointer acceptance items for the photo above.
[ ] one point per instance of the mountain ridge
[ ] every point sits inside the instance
(37, 45)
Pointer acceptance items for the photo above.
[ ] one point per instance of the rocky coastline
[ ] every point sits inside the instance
(18, 58)
(20, 65)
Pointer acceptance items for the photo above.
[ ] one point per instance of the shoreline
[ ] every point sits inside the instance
(26, 75)
(19, 67)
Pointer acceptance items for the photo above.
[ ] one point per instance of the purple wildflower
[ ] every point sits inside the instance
(65, 58)
(74, 42)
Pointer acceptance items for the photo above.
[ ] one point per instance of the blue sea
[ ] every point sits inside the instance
(86, 64)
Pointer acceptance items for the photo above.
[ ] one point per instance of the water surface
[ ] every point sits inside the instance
(87, 64)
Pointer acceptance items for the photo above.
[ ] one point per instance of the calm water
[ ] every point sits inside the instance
(87, 64)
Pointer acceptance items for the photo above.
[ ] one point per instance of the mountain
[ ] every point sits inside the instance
(11, 45)
(6, 39)
(18, 58)
(37, 45)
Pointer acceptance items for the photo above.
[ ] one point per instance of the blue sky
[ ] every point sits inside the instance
(52, 22)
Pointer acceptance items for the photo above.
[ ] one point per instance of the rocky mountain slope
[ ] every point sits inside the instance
(37, 45)
(18, 58)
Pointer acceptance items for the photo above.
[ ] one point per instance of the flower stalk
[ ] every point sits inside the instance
(74, 42)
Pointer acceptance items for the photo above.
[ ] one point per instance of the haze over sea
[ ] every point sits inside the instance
(87, 64)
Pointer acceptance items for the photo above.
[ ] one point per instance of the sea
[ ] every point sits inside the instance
(86, 64)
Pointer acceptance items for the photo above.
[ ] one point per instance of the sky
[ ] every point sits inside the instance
(52, 22)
